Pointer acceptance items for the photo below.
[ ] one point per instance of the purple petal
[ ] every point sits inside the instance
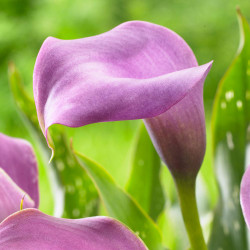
(245, 196)
(179, 135)
(11, 196)
(134, 71)
(18, 160)
(31, 229)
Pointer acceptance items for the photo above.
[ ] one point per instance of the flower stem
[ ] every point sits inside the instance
(188, 204)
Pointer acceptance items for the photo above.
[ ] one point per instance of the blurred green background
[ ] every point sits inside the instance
(209, 27)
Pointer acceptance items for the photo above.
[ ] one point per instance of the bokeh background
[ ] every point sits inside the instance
(209, 27)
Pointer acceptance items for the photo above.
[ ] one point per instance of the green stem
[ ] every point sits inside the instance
(188, 204)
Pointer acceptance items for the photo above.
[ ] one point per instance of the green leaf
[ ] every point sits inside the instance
(121, 205)
(80, 195)
(22, 99)
(144, 182)
(230, 128)
(25, 103)
(172, 226)
(80, 198)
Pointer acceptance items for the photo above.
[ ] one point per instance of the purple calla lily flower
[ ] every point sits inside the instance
(18, 175)
(31, 229)
(245, 196)
(137, 70)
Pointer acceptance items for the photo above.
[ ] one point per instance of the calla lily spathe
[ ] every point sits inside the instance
(18, 175)
(30, 228)
(137, 70)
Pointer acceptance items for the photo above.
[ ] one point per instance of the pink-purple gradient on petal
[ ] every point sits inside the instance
(11, 196)
(179, 135)
(245, 196)
(137, 70)
(31, 229)
(18, 160)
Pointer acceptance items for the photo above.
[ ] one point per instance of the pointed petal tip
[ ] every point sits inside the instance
(207, 67)
(52, 155)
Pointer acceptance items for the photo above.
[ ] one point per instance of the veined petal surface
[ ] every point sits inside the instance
(137, 70)
(31, 229)
(11, 196)
(18, 160)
